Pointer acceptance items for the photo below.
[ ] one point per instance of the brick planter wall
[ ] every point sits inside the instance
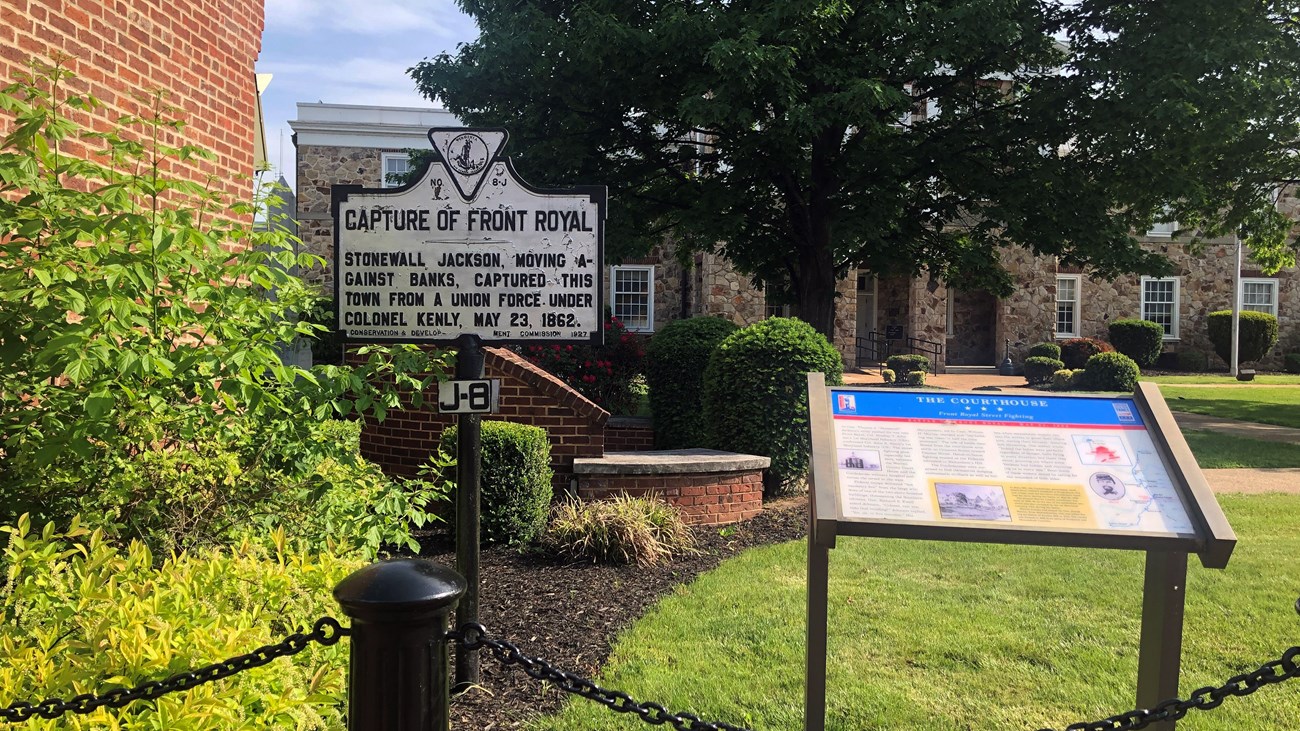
(710, 487)
(629, 434)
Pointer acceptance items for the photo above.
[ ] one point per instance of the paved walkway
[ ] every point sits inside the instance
(1222, 480)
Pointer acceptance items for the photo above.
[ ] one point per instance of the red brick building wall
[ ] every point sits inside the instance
(201, 52)
(529, 395)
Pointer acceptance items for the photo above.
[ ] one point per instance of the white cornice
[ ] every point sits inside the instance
(357, 125)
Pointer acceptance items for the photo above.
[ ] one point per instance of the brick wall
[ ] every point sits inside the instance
(529, 395)
(201, 52)
(703, 498)
(629, 434)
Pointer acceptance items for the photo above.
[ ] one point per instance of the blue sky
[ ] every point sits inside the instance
(348, 52)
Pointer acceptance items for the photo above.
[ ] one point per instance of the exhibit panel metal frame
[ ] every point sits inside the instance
(1212, 540)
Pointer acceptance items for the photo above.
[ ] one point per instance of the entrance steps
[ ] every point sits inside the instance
(969, 370)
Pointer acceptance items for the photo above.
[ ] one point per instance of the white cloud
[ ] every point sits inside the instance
(351, 81)
(362, 17)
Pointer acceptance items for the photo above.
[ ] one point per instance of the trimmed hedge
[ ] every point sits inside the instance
(915, 378)
(1039, 369)
(888, 376)
(1292, 363)
(1063, 380)
(1192, 361)
(1141, 340)
(756, 394)
(1045, 350)
(675, 361)
(904, 364)
(1076, 351)
(1257, 334)
(515, 481)
(1111, 372)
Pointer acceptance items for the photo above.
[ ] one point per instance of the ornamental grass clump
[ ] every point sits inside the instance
(622, 529)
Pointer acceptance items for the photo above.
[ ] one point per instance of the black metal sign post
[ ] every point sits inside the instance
(469, 459)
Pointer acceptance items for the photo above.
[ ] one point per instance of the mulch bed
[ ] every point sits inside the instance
(570, 613)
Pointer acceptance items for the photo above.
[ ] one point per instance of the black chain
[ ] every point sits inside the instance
(472, 636)
(327, 631)
(1276, 671)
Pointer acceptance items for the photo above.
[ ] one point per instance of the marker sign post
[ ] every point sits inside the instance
(468, 254)
(1083, 471)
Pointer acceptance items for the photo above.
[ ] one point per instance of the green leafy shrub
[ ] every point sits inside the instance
(1193, 361)
(756, 394)
(514, 482)
(904, 364)
(1045, 350)
(1039, 369)
(914, 378)
(1111, 372)
(138, 333)
(1140, 340)
(1292, 363)
(80, 614)
(1257, 334)
(1076, 351)
(1063, 380)
(604, 373)
(622, 529)
(888, 376)
(675, 361)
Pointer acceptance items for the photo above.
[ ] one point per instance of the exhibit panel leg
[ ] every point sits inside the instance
(814, 718)
(1160, 654)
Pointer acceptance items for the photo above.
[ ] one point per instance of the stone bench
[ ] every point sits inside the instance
(710, 487)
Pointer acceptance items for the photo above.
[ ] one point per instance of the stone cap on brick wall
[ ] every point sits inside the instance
(668, 462)
(510, 363)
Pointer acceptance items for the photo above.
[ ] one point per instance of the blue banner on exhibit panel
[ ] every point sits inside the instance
(1042, 411)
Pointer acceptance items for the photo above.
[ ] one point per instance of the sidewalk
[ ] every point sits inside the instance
(1223, 480)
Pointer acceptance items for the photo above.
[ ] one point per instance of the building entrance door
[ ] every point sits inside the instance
(973, 317)
(866, 305)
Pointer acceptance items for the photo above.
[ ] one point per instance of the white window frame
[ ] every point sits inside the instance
(1078, 308)
(1175, 314)
(649, 269)
(1161, 229)
(1270, 283)
(383, 167)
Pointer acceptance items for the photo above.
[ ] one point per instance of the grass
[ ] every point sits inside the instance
(952, 636)
(1223, 379)
(1218, 451)
(1262, 404)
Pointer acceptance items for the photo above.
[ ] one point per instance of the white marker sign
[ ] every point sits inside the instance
(469, 249)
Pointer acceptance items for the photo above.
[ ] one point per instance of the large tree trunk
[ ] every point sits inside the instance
(815, 287)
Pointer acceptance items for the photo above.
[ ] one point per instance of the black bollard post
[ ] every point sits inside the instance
(398, 670)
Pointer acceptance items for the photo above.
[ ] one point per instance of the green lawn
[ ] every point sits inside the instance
(1264, 404)
(952, 636)
(1218, 451)
(1223, 379)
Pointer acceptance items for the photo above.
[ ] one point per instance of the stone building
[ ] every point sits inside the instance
(360, 145)
(200, 52)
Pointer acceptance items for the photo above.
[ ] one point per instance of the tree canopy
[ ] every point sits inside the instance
(803, 138)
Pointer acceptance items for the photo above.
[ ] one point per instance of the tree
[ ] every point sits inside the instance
(781, 132)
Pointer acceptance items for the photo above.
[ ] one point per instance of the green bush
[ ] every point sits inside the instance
(888, 376)
(1257, 334)
(1140, 340)
(914, 378)
(1062, 380)
(1192, 361)
(139, 341)
(756, 394)
(622, 529)
(675, 361)
(514, 482)
(1111, 372)
(1076, 351)
(80, 614)
(1039, 369)
(904, 364)
(1292, 363)
(1045, 350)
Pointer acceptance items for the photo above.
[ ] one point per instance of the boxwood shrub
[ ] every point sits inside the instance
(1257, 334)
(904, 364)
(756, 394)
(915, 378)
(1063, 380)
(1192, 361)
(1039, 369)
(1141, 340)
(515, 482)
(1111, 372)
(1076, 351)
(1045, 350)
(1292, 363)
(675, 361)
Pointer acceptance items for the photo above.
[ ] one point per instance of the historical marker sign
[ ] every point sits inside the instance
(469, 249)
